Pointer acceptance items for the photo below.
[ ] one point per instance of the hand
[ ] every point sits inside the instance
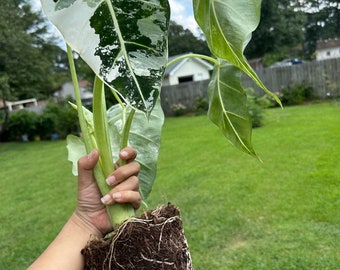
(91, 205)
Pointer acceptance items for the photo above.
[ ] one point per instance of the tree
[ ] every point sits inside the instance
(323, 20)
(26, 58)
(183, 41)
(4, 92)
(280, 28)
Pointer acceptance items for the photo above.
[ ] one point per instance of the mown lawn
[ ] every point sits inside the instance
(238, 213)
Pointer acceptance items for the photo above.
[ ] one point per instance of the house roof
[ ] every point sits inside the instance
(170, 70)
(328, 44)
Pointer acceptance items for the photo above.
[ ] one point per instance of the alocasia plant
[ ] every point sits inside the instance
(125, 43)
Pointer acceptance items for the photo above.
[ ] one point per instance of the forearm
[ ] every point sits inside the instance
(64, 251)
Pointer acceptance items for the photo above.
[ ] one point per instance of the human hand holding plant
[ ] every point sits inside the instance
(90, 216)
(91, 205)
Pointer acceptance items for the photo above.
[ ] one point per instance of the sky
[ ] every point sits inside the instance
(181, 12)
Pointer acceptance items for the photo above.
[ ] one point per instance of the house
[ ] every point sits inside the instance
(67, 90)
(327, 49)
(187, 70)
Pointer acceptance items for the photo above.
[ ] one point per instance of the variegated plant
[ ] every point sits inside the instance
(125, 44)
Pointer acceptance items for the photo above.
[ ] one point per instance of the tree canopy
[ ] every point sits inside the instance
(183, 41)
(280, 28)
(27, 60)
(323, 20)
(289, 24)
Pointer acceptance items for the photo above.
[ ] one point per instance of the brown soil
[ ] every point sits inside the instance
(156, 240)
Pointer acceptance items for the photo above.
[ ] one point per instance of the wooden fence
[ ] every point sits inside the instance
(322, 76)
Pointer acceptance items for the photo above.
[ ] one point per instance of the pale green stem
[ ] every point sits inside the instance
(117, 212)
(101, 127)
(116, 96)
(127, 127)
(126, 131)
(88, 137)
(120, 212)
(194, 55)
(82, 122)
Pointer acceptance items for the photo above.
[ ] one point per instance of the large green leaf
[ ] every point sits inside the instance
(227, 26)
(228, 106)
(124, 42)
(145, 137)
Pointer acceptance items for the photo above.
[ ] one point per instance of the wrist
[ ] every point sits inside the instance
(79, 220)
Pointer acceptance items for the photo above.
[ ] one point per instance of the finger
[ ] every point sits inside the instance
(126, 196)
(131, 184)
(128, 154)
(85, 166)
(123, 173)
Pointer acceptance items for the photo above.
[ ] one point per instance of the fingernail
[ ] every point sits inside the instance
(116, 195)
(106, 199)
(111, 180)
(124, 154)
(90, 155)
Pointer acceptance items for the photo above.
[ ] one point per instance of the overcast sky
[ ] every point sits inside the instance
(181, 12)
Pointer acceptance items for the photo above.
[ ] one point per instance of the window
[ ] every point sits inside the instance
(184, 79)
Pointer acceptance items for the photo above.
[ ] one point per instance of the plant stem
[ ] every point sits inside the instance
(101, 127)
(88, 138)
(194, 55)
(126, 131)
(117, 212)
(82, 122)
(127, 127)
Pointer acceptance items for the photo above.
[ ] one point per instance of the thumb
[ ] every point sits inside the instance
(85, 167)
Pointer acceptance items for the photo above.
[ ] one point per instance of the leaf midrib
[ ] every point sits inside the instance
(123, 48)
(225, 112)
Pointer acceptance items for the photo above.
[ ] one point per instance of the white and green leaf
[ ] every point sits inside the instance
(124, 42)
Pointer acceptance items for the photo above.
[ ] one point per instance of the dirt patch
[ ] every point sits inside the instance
(155, 240)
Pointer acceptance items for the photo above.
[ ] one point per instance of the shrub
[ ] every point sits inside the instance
(46, 125)
(296, 94)
(178, 109)
(60, 119)
(22, 124)
(256, 107)
(201, 105)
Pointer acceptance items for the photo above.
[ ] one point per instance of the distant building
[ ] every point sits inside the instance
(30, 104)
(67, 90)
(187, 70)
(327, 49)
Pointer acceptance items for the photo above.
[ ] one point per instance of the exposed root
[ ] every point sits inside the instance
(156, 240)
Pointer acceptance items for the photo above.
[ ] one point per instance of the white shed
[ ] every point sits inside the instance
(186, 70)
(327, 49)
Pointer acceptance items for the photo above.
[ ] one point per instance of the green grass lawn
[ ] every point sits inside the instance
(238, 213)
